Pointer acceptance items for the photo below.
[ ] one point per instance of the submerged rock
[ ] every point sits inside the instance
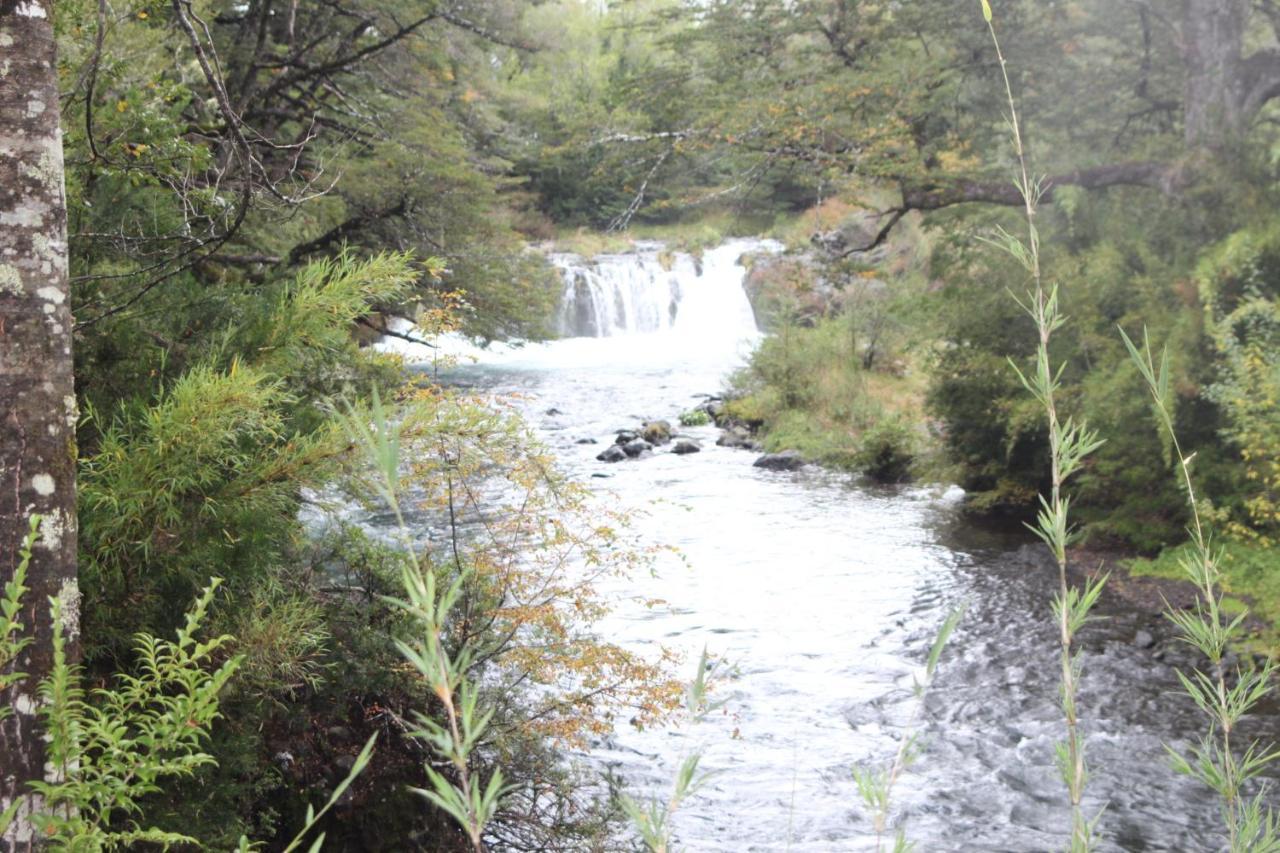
(586, 441)
(612, 453)
(684, 446)
(787, 460)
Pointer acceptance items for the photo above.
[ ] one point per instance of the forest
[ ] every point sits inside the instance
(281, 568)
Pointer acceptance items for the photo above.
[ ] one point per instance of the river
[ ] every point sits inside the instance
(825, 594)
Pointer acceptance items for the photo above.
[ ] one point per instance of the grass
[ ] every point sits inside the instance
(807, 392)
(1250, 575)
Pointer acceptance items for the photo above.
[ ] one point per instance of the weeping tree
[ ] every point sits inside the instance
(37, 397)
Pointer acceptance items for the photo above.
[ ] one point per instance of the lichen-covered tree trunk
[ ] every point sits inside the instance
(1216, 87)
(37, 398)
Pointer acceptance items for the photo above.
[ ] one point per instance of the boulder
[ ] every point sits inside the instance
(787, 460)
(626, 436)
(684, 446)
(736, 436)
(656, 432)
(636, 447)
(612, 453)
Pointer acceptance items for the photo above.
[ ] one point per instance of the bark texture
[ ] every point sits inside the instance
(37, 398)
(1212, 47)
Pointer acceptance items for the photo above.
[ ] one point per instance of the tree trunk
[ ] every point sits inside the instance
(37, 398)
(1213, 50)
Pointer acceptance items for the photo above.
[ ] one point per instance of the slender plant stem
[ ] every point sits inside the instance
(1070, 607)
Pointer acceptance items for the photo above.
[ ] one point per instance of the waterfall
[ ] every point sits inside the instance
(650, 290)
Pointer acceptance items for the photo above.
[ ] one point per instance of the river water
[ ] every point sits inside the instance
(825, 594)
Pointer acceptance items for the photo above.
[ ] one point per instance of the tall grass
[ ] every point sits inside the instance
(1070, 442)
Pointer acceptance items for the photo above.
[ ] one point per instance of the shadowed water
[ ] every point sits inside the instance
(826, 594)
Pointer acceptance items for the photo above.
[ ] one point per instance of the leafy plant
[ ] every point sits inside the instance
(694, 417)
(875, 784)
(654, 819)
(1223, 697)
(1070, 442)
(464, 796)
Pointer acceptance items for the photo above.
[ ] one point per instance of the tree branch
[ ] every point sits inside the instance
(942, 193)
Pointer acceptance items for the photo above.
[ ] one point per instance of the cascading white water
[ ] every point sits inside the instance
(649, 290)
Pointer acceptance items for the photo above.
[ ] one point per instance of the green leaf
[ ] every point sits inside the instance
(986, 11)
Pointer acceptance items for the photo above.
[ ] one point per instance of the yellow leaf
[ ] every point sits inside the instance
(121, 106)
(986, 11)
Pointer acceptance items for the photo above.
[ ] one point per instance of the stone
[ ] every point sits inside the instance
(685, 446)
(636, 447)
(787, 460)
(656, 432)
(612, 453)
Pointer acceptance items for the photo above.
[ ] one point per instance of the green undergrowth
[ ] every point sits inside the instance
(1250, 576)
(806, 389)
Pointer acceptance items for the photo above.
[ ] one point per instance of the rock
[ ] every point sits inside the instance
(734, 437)
(553, 411)
(787, 460)
(1144, 640)
(636, 447)
(586, 441)
(684, 446)
(626, 436)
(612, 453)
(339, 733)
(344, 763)
(600, 476)
(656, 432)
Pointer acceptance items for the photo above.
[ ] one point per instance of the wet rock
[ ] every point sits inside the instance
(553, 411)
(612, 453)
(636, 447)
(787, 460)
(685, 446)
(656, 432)
(734, 437)
(586, 441)
(600, 476)
(626, 436)
(1143, 639)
